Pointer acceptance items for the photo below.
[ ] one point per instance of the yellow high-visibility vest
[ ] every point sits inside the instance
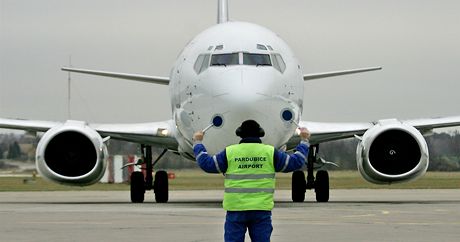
(250, 177)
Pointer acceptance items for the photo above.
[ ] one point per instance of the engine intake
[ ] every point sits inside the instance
(392, 152)
(72, 154)
(66, 151)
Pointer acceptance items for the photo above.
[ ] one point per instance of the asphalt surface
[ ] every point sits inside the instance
(351, 215)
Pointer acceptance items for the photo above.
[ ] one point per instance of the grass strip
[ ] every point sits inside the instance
(198, 180)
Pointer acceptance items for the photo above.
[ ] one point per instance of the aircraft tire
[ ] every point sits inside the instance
(137, 187)
(322, 186)
(299, 186)
(161, 187)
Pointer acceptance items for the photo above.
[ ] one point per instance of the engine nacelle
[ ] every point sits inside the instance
(72, 154)
(392, 152)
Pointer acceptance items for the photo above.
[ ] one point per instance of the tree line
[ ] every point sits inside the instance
(444, 151)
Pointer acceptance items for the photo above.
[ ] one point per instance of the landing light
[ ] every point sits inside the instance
(163, 132)
(297, 131)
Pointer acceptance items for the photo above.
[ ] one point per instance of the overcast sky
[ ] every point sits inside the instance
(416, 41)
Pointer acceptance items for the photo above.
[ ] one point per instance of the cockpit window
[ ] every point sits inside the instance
(225, 59)
(201, 63)
(261, 47)
(256, 59)
(198, 63)
(241, 58)
(278, 62)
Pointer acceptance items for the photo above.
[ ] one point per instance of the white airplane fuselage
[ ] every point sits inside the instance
(238, 89)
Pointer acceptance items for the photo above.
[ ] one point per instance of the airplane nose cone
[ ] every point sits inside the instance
(237, 94)
(246, 86)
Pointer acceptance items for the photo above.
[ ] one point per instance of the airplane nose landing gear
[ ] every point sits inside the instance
(140, 184)
(320, 184)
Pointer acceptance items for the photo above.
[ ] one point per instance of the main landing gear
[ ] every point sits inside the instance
(320, 184)
(140, 184)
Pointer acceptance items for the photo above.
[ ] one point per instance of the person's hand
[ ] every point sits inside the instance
(198, 136)
(304, 133)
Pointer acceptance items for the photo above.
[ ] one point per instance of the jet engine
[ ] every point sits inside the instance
(72, 154)
(392, 152)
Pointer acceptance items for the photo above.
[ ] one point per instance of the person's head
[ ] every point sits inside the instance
(250, 128)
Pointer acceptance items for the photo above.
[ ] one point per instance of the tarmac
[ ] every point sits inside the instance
(351, 215)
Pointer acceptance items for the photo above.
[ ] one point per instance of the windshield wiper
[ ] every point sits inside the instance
(218, 64)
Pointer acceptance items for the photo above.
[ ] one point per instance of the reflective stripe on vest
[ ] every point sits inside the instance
(250, 177)
(249, 190)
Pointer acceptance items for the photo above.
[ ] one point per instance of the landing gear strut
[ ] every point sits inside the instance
(320, 184)
(140, 184)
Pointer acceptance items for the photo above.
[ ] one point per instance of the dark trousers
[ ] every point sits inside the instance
(259, 224)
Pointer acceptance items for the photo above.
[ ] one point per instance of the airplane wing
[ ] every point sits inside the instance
(323, 131)
(313, 76)
(134, 77)
(159, 134)
(433, 123)
(27, 125)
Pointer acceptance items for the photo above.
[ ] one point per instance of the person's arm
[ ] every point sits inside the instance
(210, 164)
(287, 163)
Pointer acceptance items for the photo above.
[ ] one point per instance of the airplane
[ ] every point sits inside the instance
(229, 73)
